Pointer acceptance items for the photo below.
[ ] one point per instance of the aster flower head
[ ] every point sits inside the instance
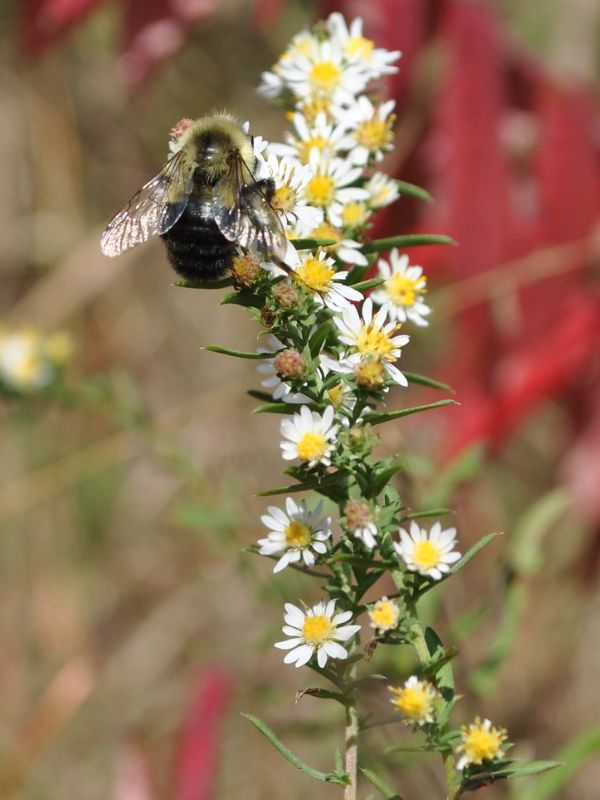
(382, 190)
(360, 522)
(356, 47)
(371, 336)
(345, 249)
(322, 134)
(318, 630)
(403, 289)
(428, 553)
(370, 130)
(317, 273)
(25, 366)
(384, 615)
(309, 436)
(415, 700)
(297, 533)
(289, 200)
(481, 741)
(281, 389)
(330, 182)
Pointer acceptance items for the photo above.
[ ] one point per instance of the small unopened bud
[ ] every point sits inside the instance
(267, 315)
(290, 364)
(180, 128)
(370, 373)
(245, 270)
(358, 514)
(286, 295)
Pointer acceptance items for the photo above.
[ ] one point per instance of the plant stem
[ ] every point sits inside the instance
(351, 745)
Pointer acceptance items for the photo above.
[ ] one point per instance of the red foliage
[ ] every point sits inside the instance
(44, 22)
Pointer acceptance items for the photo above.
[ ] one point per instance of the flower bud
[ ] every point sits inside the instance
(358, 514)
(245, 270)
(370, 373)
(290, 364)
(286, 295)
(267, 315)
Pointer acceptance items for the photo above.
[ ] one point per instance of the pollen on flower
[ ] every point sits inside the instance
(285, 198)
(404, 291)
(286, 295)
(245, 270)
(320, 190)
(374, 342)
(180, 128)
(384, 615)
(306, 145)
(315, 273)
(355, 214)
(481, 741)
(376, 134)
(297, 534)
(290, 364)
(426, 554)
(311, 447)
(317, 629)
(370, 373)
(325, 76)
(415, 700)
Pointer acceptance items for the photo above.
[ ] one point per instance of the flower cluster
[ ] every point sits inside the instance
(30, 360)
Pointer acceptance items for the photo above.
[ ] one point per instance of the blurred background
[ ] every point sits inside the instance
(133, 628)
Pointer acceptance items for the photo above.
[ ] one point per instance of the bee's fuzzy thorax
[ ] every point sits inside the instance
(210, 140)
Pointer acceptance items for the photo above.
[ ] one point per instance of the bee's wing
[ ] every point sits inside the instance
(243, 212)
(155, 208)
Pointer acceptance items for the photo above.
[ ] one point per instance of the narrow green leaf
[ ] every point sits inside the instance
(264, 397)
(412, 190)
(321, 694)
(381, 477)
(287, 753)
(319, 337)
(317, 484)
(312, 244)
(222, 283)
(445, 674)
(532, 768)
(362, 286)
(409, 240)
(226, 351)
(273, 408)
(381, 785)
(472, 551)
(378, 418)
(431, 512)
(423, 380)
(246, 299)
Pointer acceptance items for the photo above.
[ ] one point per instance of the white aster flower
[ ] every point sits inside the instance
(481, 741)
(346, 249)
(350, 39)
(430, 554)
(382, 190)
(317, 273)
(309, 436)
(384, 615)
(273, 382)
(416, 700)
(289, 200)
(370, 130)
(317, 630)
(321, 134)
(402, 292)
(351, 216)
(343, 399)
(296, 532)
(371, 337)
(24, 365)
(330, 181)
(324, 73)
(302, 44)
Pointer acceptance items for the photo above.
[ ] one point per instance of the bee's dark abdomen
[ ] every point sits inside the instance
(196, 247)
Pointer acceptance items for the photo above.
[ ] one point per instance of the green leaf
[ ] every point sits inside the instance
(264, 397)
(317, 484)
(222, 283)
(572, 759)
(289, 756)
(381, 476)
(532, 768)
(273, 408)
(412, 190)
(312, 244)
(246, 299)
(526, 553)
(226, 351)
(472, 551)
(431, 512)
(445, 675)
(378, 418)
(385, 789)
(409, 240)
(319, 337)
(423, 380)
(362, 286)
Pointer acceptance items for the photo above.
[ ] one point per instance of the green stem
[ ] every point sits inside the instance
(351, 745)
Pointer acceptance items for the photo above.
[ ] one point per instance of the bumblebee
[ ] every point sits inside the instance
(204, 203)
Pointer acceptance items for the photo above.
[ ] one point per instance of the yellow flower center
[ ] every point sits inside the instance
(375, 134)
(336, 394)
(320, 190)
(359, 46)
(374, 342)
(306, 145)
(285, 198)
(404, 291)
(426, 554)
(315, 106)
(317, 629)
(311, 447)
(315, 274)
(370, 373)
(354, 214)
(325, 76)
(28, 369)
(414, 702)
(385, 614)
(297, 534)
(303, 46)
(481, 744)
